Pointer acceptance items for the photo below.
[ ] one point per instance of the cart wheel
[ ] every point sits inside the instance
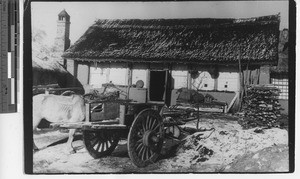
(145, 138)
(100, 143)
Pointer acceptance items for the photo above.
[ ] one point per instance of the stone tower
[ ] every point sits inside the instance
(62, 41)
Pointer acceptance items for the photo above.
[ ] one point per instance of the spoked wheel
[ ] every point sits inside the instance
(145, 138)
(100, 143)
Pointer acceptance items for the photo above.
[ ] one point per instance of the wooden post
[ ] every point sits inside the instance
(198, 116)
(129, 79)
(89, 73)
(232, 102)
(189, 80)
(122, 114)
(148, 82)
(216, 84)
(166, 86)
(87, 112)
(247, 77)
(215, 70)
(241, 81)
(107, 74)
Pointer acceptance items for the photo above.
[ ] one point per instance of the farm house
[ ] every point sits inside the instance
(214, 56)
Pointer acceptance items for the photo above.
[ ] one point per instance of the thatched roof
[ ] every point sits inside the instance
(180, 40)
(46, 64)
(48, 71)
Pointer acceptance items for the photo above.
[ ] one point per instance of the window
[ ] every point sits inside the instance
(61, 18)
(283, 85)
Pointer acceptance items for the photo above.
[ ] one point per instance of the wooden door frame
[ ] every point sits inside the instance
(167, 75)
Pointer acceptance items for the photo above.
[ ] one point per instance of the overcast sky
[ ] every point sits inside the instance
(83, 15)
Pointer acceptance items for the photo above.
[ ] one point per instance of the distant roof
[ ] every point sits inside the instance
(46, 64)
(180, 40)
(64, 13)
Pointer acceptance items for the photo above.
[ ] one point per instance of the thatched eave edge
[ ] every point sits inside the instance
(167, 61)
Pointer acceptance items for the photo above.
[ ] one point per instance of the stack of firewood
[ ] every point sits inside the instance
(260, 107)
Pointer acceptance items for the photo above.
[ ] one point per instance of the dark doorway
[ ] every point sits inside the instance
(157, 85)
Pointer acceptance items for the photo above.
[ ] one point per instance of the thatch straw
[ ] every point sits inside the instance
(180, 40)
(46, 64)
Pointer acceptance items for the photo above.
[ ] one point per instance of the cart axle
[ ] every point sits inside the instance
(149, 137)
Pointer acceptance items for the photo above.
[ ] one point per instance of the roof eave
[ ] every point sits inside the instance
(170, 61)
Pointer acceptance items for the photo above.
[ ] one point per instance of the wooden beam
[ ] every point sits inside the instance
(232, 102)
(216, 84)
(148, 82)
(87, 112)
(129, 74)
(107, 74)
(189, 80)
(89, 73)
(129, 78)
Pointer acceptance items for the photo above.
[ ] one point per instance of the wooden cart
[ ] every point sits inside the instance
(108, 121)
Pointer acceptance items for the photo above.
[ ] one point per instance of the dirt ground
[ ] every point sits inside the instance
(227, 148)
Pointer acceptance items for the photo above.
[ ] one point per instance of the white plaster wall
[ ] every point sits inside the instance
(180, 79)
(98, 76)
(203, 82)
(229, 79)
(118, 76)
(83, 73)
(138, 74)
